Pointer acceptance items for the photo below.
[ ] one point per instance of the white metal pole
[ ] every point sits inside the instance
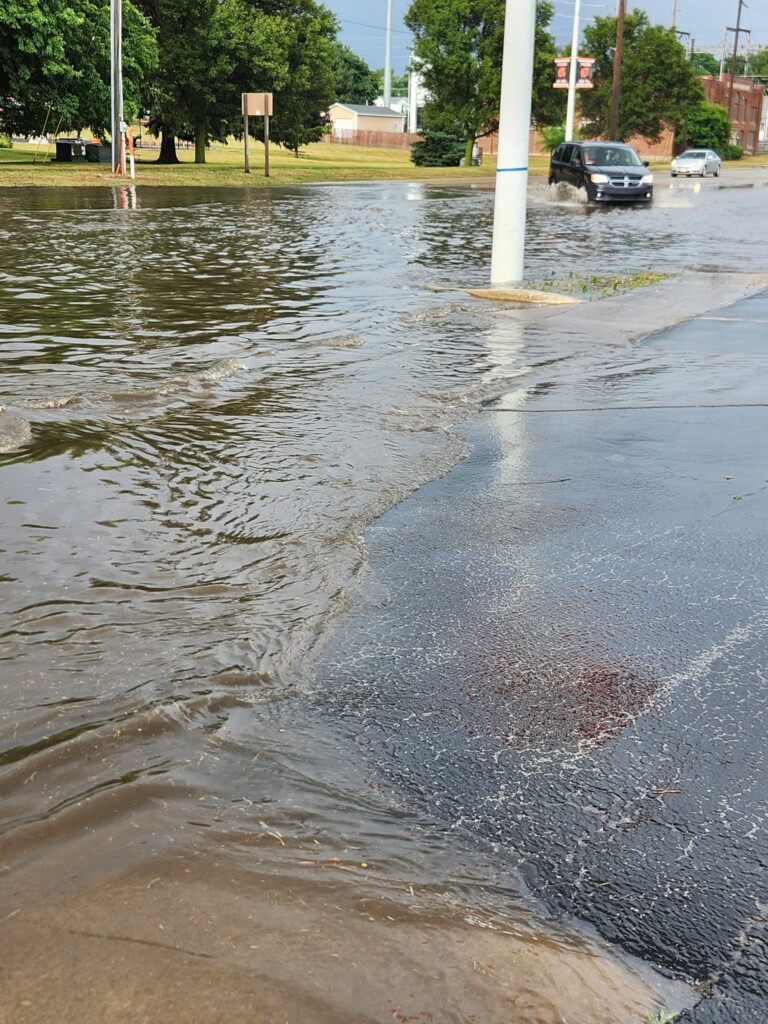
(388, 58)
(414, 82)
(571, 109)
(116, 50)
(508, 249)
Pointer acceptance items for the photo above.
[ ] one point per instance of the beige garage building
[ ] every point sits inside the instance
(352, 117)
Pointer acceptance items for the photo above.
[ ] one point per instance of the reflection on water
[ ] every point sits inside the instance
(207, 395)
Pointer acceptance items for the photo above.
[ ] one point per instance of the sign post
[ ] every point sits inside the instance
(266, 144)
(245, 137)
(257, 104)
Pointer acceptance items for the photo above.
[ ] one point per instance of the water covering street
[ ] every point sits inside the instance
(208, 396)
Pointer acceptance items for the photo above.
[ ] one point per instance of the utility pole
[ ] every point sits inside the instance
(414, 82)
(674, 13)
(116, 53)
(508, 250)
(571, 108)
(722, 51)
(729, 98)
(388, 58)
(613, 128)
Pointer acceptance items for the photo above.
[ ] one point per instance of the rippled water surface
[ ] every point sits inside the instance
(207, 395)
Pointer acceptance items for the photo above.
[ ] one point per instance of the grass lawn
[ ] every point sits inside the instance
(26, 165)
(320, 162)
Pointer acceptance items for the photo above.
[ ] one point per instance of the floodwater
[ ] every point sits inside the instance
(207, 395)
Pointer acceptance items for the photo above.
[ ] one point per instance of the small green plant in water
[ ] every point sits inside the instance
(602, 285)
(659, 1017)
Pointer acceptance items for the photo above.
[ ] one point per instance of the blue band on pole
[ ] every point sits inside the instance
(506, 170)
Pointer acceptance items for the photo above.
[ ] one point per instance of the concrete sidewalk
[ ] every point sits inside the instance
(571, 662)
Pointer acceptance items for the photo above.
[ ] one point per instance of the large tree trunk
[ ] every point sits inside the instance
(201, 137)
(468, 152)
(168, 148)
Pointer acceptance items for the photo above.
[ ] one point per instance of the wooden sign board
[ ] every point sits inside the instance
(257, 104)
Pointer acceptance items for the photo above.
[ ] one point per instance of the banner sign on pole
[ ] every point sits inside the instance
(583, 76)
(562, 69)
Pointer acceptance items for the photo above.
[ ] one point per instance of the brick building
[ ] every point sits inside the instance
(746, 103)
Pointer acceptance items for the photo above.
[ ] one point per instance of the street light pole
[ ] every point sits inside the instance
(508, 250)
(388, 58)
(116, 51)
(571, 108)
(613, 128)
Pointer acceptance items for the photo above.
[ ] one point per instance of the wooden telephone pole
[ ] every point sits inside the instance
(736, 31)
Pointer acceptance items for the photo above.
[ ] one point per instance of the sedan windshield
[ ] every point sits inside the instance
(612, 156)
(692, 154)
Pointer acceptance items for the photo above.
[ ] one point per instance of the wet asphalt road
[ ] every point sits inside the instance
(564, 653)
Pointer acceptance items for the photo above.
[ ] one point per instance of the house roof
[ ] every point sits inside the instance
(369, 111)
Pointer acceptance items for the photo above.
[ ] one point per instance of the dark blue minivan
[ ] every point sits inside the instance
(610, 172)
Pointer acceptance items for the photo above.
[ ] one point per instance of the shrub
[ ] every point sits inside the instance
(732, 152)
(708, 128)
(438, 149)
(5, 141)
(553, 136)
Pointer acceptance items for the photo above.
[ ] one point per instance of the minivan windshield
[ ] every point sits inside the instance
(612, 156)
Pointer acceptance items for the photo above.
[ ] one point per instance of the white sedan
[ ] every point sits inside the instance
(696, 162)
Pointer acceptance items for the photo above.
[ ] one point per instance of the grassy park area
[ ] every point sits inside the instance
(27, 164)
(320, 162)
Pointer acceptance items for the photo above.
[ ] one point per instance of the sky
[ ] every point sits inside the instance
(363, 23)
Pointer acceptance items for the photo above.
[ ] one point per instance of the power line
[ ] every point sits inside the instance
(379, 28)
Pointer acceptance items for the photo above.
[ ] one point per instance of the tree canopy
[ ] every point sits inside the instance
(659, 87)
(55, 64)
(187, 61)
(354, 80)
(708, 126)
(458, 47)
(211, 51)
(758, 64)
(706, 64)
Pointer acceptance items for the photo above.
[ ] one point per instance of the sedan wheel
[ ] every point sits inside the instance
(717, 172)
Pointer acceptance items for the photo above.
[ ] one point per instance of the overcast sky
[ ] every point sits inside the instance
(363, 23)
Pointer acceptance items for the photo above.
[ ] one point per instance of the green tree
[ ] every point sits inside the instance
(706, 64)
(211, 51)
(354, 82)
(709, 127)
(659, 87)
(758, 64)
(458, 49)
(309, 86)
(399, 83)
(55, 64)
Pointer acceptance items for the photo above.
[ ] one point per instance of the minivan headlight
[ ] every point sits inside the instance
(599, 179)
(647, 179)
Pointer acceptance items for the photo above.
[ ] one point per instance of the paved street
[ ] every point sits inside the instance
(570, 662)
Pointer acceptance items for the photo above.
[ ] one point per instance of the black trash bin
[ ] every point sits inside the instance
(92, 154)
(64, 151)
